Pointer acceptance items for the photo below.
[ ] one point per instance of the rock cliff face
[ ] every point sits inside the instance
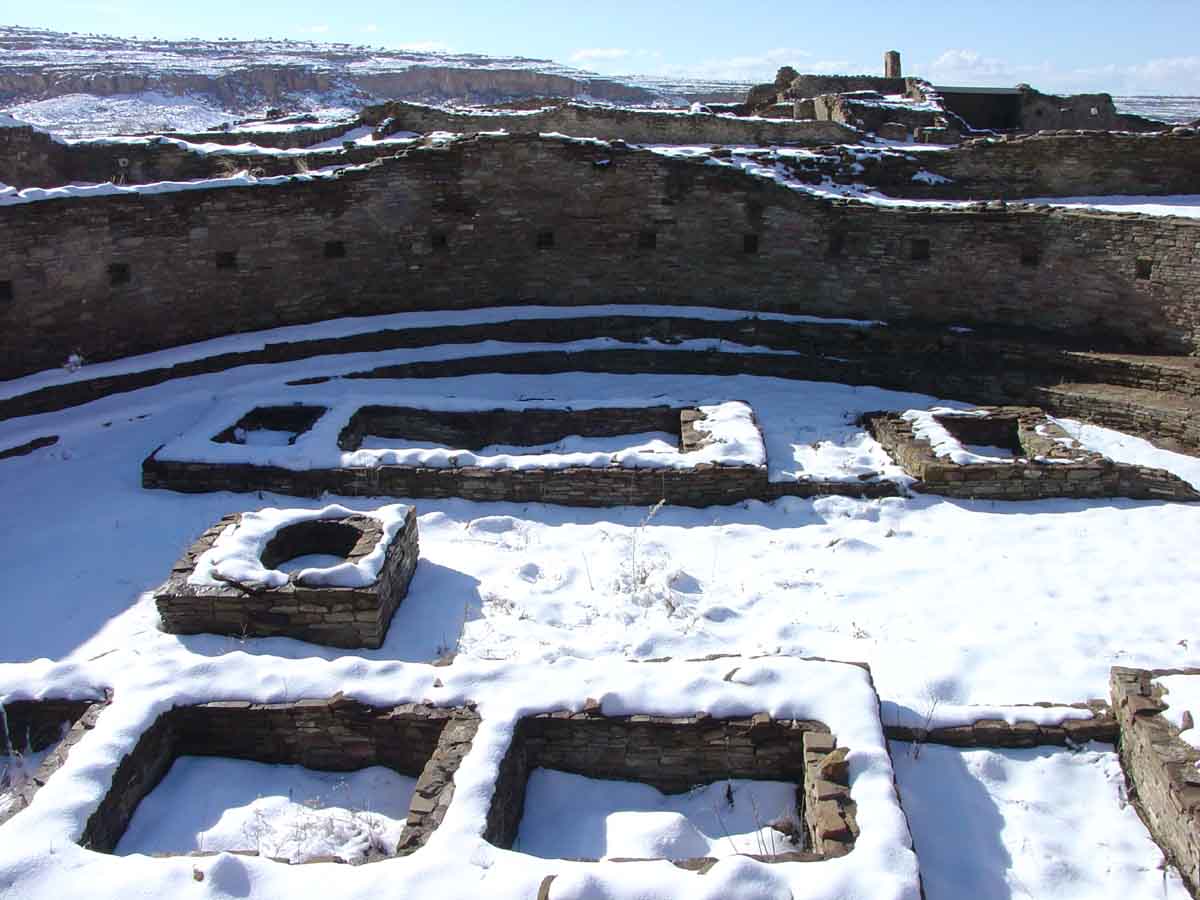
(242, 75)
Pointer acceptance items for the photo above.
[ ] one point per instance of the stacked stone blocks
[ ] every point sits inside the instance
(1048, 463)
(675, 754)
(334, 616)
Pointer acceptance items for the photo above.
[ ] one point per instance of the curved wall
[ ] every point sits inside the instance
(527, 220)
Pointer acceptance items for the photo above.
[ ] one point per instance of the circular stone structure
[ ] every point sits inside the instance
(228, 581)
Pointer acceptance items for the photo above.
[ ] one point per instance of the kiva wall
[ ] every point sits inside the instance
(528, 220)
(607, 123)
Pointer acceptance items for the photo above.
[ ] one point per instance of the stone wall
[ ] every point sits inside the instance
(1057, 165)
(154, 159)
(811, 85)
(29, 156)
(639, 126)
(1049, 463)
(337, 734)
(867, 115)
(1161, 768)
(36, 725)
(1102, 726)
(677, 754)
(700, 486)
(532, 427)
(1095, 111)
(527, 220)
(332, 616)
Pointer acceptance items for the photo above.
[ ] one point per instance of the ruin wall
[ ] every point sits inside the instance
(608, 123)
(502, 221)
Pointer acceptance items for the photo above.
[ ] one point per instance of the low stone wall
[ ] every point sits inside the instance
(1167, 419)
(337, 734)
(333, 616)
(477, 429)
(1161, 768)
(638, 126)
(36, 725)
(1148, 396)
(281, 139)
(1102, 726)
(1047, 467)
(700, 486)
(675, 754)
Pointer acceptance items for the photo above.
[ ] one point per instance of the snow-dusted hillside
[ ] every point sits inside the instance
(95, 84)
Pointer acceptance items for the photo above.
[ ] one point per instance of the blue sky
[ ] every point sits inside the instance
(1143, 46)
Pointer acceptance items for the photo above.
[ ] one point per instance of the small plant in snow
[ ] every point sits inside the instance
(74, 363)
(637, 573)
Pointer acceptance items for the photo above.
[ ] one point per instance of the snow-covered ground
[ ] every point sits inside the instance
(952, 603)
(1038, 823)
(88, 115)
(285, 812)
(573, 817)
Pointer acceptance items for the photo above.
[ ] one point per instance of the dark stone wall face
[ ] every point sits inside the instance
(332, 616)
(459, 227)
(335, 734)
(675, 754)
(36, 725)
(1160, 766)
(605, 123)
(477, 429)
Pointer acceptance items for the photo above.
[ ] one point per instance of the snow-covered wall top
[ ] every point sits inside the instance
(598, 223)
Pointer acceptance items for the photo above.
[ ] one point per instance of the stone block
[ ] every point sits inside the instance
(314, 613)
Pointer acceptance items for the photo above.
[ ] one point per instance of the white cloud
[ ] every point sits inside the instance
(598, 54)
(427, 46)
(372, 28)
(761, 67)
(1170, 75)
(313, 29)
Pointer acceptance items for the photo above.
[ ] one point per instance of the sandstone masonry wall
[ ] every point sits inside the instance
(38, 724)
(335, 734)
(526, 220)
(332, 616)
(607, 123)
(1160, 767)
(674, 754)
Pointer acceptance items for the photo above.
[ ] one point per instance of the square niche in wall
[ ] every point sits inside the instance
(331, 576)
(588, 786)
(306, 781)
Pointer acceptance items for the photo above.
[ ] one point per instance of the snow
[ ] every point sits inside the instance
(1185, 205)
(1183, 705)
(927, 177)
(336, 328)
(734, 440)
(956, 605)
(284, 812)
(569, 816)
(236, 553)
(1129, 449)
(925, 426)
(10, 196)
(1037, 823)
(88, 115)
(456, 862)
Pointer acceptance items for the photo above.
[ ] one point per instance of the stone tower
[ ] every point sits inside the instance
(891, 64)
